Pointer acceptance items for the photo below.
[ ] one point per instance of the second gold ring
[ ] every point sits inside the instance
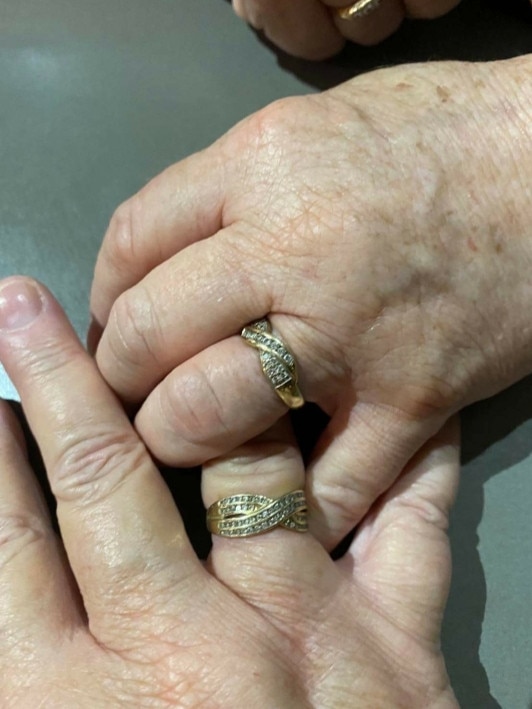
(361, 8)
(277, 362)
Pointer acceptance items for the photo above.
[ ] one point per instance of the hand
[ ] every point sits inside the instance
(384, 225)
(124, 615)
(312, 30)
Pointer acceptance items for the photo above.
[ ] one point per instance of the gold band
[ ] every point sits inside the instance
(277, 362)
(357, 9)
(247, 514)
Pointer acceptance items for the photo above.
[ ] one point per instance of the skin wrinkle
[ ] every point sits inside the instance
(179, 409)
(88, 470)
(134, 314)
(372, 656)
(17, 532)
(174, 682)
(299, 642)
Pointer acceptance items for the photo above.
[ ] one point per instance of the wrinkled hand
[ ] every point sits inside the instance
(312, 30)
(385, 225)
(125, 615)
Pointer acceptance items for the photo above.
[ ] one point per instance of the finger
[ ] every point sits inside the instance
(429, 9)
(401, 553)
(38, 603)
(209, 405)
(121, 530)
(147, 335)
(179, 206)
(303, 28)
(277, 569)
(375, 22)
(360, 454)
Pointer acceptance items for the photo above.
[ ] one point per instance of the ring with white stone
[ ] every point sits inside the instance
(277, 362)
(248, 514)
(361, 8)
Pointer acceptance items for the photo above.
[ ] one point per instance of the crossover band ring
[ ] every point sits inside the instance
(248, 514)
(277, 362)
(361, 8)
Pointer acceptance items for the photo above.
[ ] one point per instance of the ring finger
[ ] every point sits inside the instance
(237, 403)
(276, 568)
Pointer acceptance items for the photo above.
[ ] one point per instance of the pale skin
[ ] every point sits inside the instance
(384, 227)
(312, 30)
(119, 612)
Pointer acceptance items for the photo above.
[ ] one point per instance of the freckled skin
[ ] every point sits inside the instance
(443, 93)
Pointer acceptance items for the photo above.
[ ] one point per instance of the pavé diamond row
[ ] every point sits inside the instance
(277, 362)
(247, 514)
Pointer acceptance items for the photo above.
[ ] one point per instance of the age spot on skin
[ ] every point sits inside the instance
(402, 85)
(471, 244)
(443, 93)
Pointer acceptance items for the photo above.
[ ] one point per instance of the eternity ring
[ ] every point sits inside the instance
(277, 362)
(357, 9)
(247, 514)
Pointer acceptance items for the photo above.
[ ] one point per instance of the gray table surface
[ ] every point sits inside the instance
(96, 97)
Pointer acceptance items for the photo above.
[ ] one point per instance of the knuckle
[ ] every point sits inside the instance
(272, 126)
(434, 395)
(90, 469)
(121, 235)
(193, 407)
(133, 327)
(348, 497)
(423, 508)
(239, 8)
(254, 12)
(43, 365)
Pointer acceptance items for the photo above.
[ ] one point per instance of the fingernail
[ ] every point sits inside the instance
(20, 304)
(94, 335)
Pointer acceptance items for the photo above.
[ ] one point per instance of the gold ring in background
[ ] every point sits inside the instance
(248, 514)
(277, 362)
(361, 8)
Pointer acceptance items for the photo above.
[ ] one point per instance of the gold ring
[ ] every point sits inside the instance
(277, 362)
(247, 514)
(361, 8)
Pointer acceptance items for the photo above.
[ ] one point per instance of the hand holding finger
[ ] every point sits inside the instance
(159, 628)
(381, 311)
